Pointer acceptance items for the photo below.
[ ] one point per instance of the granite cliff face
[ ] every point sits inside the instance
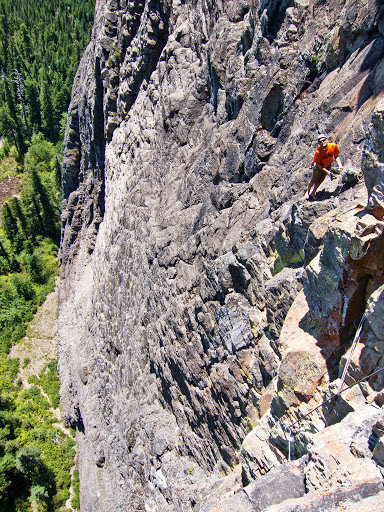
(204, 303)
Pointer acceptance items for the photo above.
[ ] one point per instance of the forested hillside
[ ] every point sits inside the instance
(40, 46)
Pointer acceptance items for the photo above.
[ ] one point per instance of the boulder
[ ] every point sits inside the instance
(281, 483)
(335, 282)
(373, 162)
(281, 291)
(337, 456)
(375, 312)
(360, 498)
(256, 454)
(302, 366)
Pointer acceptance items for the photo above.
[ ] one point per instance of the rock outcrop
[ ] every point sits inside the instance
(205, 304)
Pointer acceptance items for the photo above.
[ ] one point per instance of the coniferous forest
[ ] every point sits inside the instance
(40, 47)
(41, 43)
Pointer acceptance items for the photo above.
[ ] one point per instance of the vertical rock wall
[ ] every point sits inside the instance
(190, 132)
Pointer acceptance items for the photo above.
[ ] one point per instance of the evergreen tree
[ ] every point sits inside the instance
(24, 42)
(48, 215)
(9, 223)
(19, 214)
(11, 229)
(8, 127)
(33, 100)
(3, 252)
(12, 110)
(36, 267)
(47, 120)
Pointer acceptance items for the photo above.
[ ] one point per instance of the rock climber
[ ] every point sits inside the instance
(322, 163)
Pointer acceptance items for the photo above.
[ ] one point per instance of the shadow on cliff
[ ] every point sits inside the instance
(275, 11)
(324, 195)
(329, 351)
(374, 82)
(151, 53)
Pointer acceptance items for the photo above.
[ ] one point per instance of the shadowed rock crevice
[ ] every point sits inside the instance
(135, 10)
(97, 149)
(275, 11)
(374, 83)
(355, 311)
(144, 59)
(272, 108)
(213, 83)
(72, 155)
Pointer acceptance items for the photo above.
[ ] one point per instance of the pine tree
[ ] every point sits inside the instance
(9, 223)
(8, 127)
(46, 109)
(3, 252)
(25, 42)
(19, 215)
(11, 103)
(33, 101)
(48, 215)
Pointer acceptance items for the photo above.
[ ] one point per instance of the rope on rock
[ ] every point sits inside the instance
(289, 433)
(333, 396)
(287, 429)
(355, 340)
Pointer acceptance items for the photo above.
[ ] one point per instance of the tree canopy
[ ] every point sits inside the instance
(40, 46)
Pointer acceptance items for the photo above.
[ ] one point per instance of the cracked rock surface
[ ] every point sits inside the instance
(190, 133)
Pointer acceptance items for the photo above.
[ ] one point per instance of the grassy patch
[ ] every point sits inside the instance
(9, 167)
(277, 264)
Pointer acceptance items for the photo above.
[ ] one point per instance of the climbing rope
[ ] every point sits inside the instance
(287, 429)
(289, 435)
(355, 340)
(333, 396)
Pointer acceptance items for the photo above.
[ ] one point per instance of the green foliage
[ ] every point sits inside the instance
(28, 461)
(40, 155)
(41, 43)
(40, 47)
(35, 267)
(19, 216)
(41, 205)
(37, 213)
(9, 224)
(17, 295)
(35, 456)
(75, 502)
(5, 266)
(8, 163)
(7, 474)
(44, 206)
(39, 498)
(5, 149)
(49, 381)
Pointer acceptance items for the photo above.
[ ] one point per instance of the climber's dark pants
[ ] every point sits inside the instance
(318, 175)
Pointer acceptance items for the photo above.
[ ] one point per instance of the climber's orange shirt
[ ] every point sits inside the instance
(325, 156)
